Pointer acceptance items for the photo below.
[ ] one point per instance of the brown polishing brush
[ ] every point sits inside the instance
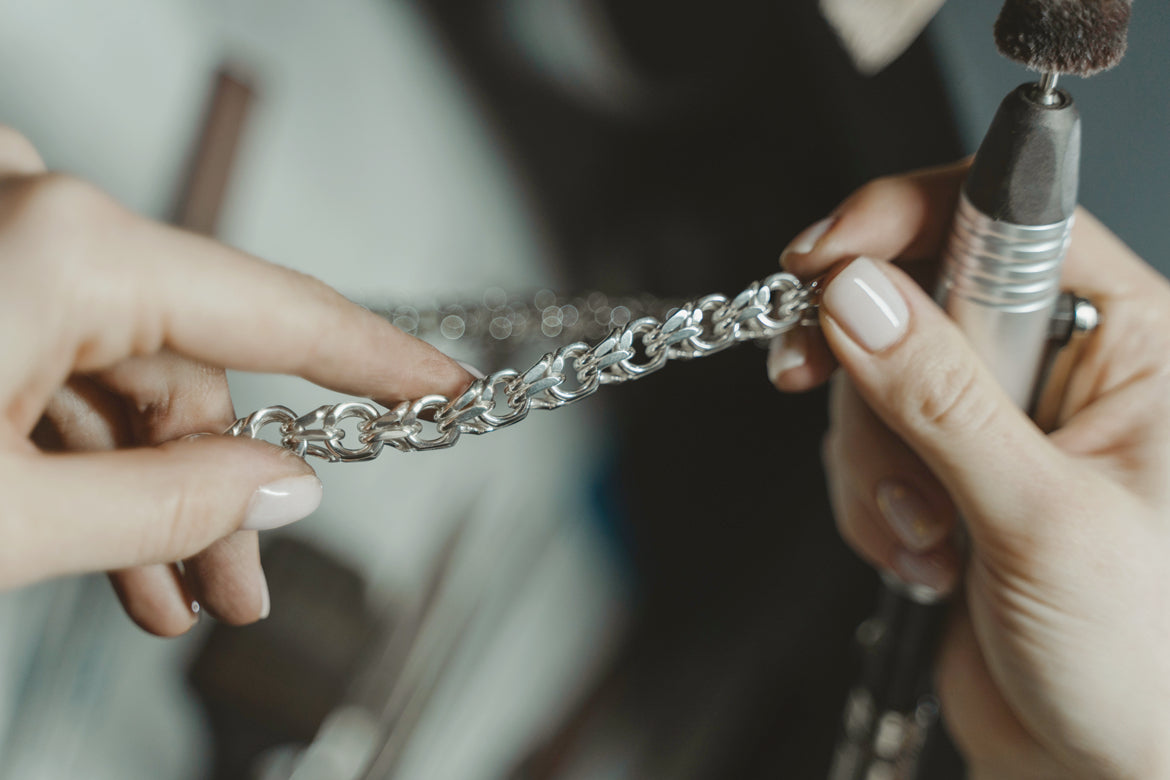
(1078, 37)
(1026, 169)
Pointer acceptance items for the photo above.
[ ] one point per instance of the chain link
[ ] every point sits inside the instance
(631, 350)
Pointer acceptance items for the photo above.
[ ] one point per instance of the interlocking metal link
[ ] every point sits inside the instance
(630, 351)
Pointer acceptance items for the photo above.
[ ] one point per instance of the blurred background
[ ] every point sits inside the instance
(646, 585)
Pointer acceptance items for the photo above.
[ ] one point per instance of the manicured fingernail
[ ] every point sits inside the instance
(930, 570)
(282, 502)
(786, 353)
(191, 436)
(866, 304)
(475, 372)
(909, 515)
(806, 240)
(265, 598)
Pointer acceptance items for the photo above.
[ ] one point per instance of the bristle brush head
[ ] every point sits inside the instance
(1078, 37)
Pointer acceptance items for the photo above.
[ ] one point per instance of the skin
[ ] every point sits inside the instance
(1054, 663)
(116, 332)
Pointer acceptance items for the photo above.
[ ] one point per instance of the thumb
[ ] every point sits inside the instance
(110, 510)
(917, 372)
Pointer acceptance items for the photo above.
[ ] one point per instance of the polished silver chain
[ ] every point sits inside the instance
(636, 347)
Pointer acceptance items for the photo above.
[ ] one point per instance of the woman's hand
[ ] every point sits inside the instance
(115, 332)
(1056, 661)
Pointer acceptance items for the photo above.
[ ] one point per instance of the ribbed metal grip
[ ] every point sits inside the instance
(1000, 283)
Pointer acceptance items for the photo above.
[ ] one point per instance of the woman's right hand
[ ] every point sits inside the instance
(1056, 661)
(115, 333)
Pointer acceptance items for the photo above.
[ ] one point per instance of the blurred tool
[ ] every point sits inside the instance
(209, 169)
(1000, 283)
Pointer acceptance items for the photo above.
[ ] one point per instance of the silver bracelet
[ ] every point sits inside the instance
(636, 347)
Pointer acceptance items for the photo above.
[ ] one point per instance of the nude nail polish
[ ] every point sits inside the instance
(282, 502)
(866, 304)
(908, 515)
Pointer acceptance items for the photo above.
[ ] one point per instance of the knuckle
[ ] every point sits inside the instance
(59, 199)
(56, 217)
(945, 394)
(55, 231)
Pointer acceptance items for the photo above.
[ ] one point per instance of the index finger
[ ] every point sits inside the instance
(902, 217)
(227, 308)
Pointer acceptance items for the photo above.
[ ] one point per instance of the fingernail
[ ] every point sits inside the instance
(475, 372)
(191, 436)
(806, 240)
(867, 305)
(909, 515)
(786, 353)
(265, 598)
(282, 502)
(930, 570)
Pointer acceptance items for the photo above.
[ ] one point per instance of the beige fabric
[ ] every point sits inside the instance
(876, 32)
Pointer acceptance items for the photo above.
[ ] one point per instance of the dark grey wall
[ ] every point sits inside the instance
(1125, 112)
